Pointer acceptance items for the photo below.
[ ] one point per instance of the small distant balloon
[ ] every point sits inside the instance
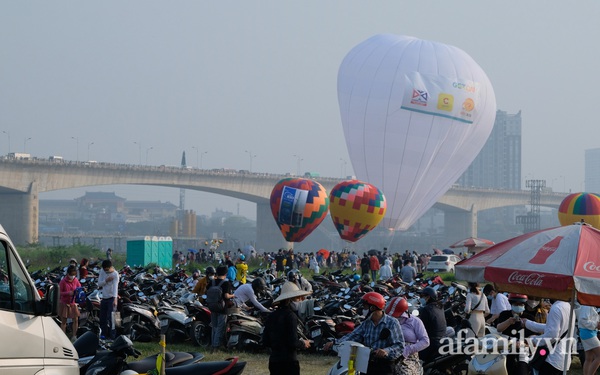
(356, 208)
(298, 206)
(579, 207)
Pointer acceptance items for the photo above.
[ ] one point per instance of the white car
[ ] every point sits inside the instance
(443, 263)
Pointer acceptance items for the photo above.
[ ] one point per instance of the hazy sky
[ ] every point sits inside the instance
(142, 81)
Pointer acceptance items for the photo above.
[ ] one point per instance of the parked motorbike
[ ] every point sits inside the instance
(114, 361)
(244, 332)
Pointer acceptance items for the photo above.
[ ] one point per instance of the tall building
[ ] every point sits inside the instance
(498, 164)
(592, 170)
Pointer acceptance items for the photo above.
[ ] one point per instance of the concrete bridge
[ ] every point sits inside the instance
(21, 181)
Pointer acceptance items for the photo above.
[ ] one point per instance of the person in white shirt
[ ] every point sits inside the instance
(247, 292)
(499, 303)
(556, 325)
(476, 305)
(385, 272)
(588, 322)
(108, 281)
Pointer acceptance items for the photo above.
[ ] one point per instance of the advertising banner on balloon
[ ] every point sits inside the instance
(456, 99)
(292, 206)
(415, 114)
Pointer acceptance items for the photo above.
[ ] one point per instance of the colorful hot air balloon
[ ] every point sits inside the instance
(298, 205)
(415, 114)
(356, 207)
(580, 206)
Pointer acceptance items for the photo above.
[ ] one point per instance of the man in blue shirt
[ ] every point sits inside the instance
(380, 332)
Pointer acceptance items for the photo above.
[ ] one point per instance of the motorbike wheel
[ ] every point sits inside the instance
(200, 334)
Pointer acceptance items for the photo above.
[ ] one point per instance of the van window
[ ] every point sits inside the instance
(15, 292)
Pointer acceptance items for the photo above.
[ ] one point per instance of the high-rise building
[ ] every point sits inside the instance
(498, 164)
(592, 170)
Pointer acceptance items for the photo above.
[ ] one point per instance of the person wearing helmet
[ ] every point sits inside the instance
(281, 332)
(415, 336)
(242, 269)
(247, 292)
(432, 315)
(381, 332)
(201, 285)
(509, 323)
(296, 277)
(476, 307)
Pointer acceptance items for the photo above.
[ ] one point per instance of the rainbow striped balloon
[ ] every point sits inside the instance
(356, 208)
(580, 206)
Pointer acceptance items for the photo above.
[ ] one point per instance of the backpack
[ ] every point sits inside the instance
(79, 295)
(214, 297)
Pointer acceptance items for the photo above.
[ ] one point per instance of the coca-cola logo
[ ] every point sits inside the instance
(533, 279)
(591, 267)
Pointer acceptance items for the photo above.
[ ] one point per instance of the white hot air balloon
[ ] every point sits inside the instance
(415, 114)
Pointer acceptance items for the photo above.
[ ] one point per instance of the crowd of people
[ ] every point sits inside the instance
(400, 342)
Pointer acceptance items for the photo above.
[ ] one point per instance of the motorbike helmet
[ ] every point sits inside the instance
(356, 278)
(366, 278)
(517, 298)
(210, 271)
(430, 292)
(259, 285)
(374, 299)
(242, 257)
(291, 276)
(396, 306)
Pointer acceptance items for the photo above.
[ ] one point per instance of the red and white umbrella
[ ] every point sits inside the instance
(472, 242)
(551, 263)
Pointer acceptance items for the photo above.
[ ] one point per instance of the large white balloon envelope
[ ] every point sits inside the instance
(415, 114)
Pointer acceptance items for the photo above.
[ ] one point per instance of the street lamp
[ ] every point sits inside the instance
(25, 144)
(298, 160)
(89, 144)
(8, 134)
(148, 149)
(140, 147)
(252, 156)
(77, 141)
(343, 167)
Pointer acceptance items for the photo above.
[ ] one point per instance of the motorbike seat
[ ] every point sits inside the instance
(172, 359)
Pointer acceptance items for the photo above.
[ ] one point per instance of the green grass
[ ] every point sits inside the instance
(256, 364)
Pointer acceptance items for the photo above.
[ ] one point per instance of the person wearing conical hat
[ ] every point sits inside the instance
(281, 334)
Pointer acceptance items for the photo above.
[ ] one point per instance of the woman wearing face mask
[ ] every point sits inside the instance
(509, 323)
(281, 332)
(476, 305)
(415, 337)
(534, 310)
(67, 308)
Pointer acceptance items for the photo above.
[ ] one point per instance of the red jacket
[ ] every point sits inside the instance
(374, 263)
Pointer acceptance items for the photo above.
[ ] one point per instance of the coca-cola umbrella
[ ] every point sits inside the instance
(557, 263)
(560, 263)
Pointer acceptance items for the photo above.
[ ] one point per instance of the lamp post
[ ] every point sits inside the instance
(148, 149)
(252, 156)
(199, 156)
(77, 142)
(8, 134)
(343, 167)
(88, 149)
(140, 147)
(298, 160)
(25, 144)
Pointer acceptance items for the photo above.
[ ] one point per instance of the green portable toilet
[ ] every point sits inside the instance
(142, 251)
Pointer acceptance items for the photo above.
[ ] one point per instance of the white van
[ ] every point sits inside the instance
(32, 342)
